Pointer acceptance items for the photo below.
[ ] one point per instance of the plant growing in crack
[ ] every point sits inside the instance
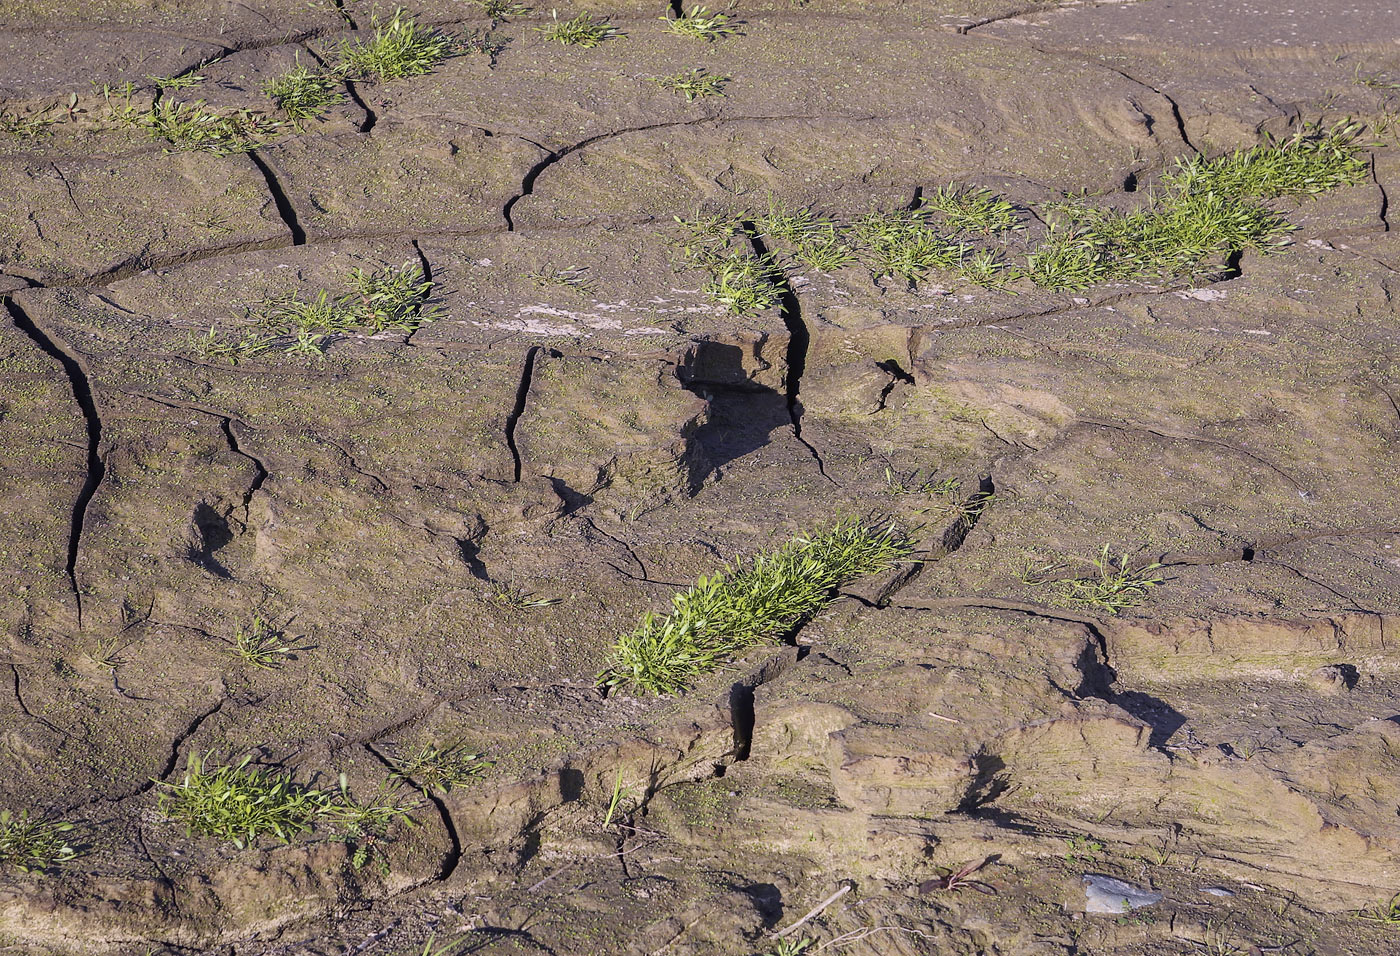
(33, 844)
(1114, 585)
(106, 653)
(261, 644)
(500, 10)
(304, 94)
(1385, 912)
(582, 30)
(700, 24)
(749, 603)
(399, 48)
(693, 84)
(439, 767)
(195, 126)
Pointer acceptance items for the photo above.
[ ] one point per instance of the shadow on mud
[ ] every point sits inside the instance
(743, 413)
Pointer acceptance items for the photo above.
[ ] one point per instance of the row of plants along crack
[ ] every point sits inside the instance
(397, 48)
(1201, 213)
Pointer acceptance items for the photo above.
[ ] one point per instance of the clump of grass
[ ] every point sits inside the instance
(501, 10)
(582, 30)
(576, 279)
(26, 126)
(239, 803)
(518, 599)
(1312, 161)
(987, 269)
(33, 844)
(106, 653)
(1114, 585)
(792, 225)
(261, 644)
(1067, 259)
(965, 209)
(196, 127)
(434, 767)
(700, 24)
(748, 603)
(397, 49)
(1386, 912)
(904, 245)
(304, 94)
(183, 81)
(693, 84)
(708, 235)
(744, 284)
(378, 300)
(824, 251)
(364, 826)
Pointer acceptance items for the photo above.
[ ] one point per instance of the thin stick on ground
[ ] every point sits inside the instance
(815, 911)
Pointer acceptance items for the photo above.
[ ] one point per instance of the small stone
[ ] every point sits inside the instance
(1106, 894)
(1218, 891)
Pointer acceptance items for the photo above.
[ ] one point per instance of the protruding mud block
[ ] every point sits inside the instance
(883, 770)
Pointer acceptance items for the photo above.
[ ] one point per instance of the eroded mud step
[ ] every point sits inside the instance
(353, 444)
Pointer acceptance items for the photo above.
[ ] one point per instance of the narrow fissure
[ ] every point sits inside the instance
(677, 9)
(226, 424)
(285, 209)
(522, 394)
(1385, 199)
(454, 852)
(918, 199)
(423, 261)
(345, 14)
(82, 394)
(370, 119)
(799, 342)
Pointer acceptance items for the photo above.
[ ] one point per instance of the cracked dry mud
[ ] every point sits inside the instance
(598, 446)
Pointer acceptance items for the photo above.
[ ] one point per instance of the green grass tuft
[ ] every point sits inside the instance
(744, 284)
(262, 645)
(964, 209)
(31, 845)
(698, 23)
(1312, 161)
(196, 127)
(501, 10)
(581, 30)
(397, 49)
(1114, 585)
(904, 245)
(434, 767)
(693, 84)
(748, 603)
(304, 94)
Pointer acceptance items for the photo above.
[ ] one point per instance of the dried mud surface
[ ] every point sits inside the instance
(600, 446)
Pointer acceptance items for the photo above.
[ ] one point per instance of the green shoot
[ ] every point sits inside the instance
(693, 84)
(576, 279)
(978, 211)
(619, 793)
(433, 767)
(700, 24)
(1312, 161)
(31, 844)
(397, 49)
(747, 604)
(744, 284)
(196, 127)
(1114, 586)
(1386, 912)
(501, 10)
(238, 804)
(261, 645)
(184, 81)
(304, 94)
(581, 30)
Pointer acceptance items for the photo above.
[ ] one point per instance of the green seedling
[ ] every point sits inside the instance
(748, 603)
(693, 84)
(700, 24)
(260, 644)
(501, 10)
(823, 251)
(987, 269)
(1386, 912)
(239, 803)
(433, 767)
(902, 244)
(576, 279)
(707, 236)
(619, 794)
(1114, 586)
(183, 81)
(744, 284)
(364, 827)
(397, 49)
(304, 94)
(33, 844)
(196, 127)
(793, 225)
(1081, 849)
(581, 30)
(106, 653)
(26, 126)
(1312, 161)
(792, 947)
(965, 209)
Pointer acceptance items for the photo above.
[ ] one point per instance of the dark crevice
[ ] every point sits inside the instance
(522, 394)
(897, 377)
(454, 852)
(423, 262)
(677, 9)
(87, 404)
(370, 119)
(1232, 268)
(1171, 103)
(19, 701)
(1385, 199)
(345, 14)
(799, 342)
(260, 470)
(175, 748)
(285, 209)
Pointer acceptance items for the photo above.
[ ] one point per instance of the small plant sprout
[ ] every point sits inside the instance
(1081, 849)
(364, 827)
(744, 284)
(824, 251)
(793, 225)
(576, 279)
(793, 947)
(261, 645)
(181, 81)
(965, 209)
(196, 127)
(518, 599)
(431, 947)
(706, 236)
(397, 49)
(749, 603)
(953, 879)
(619, 794)
(106, 653)
(501, 10)
(700, 24)
(238, 803)
(26, 126)
(33, 844)
(1114, 585)
(693, 84)
(433, 767)
(1386, 912)
(304, 94)
(581, 30)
